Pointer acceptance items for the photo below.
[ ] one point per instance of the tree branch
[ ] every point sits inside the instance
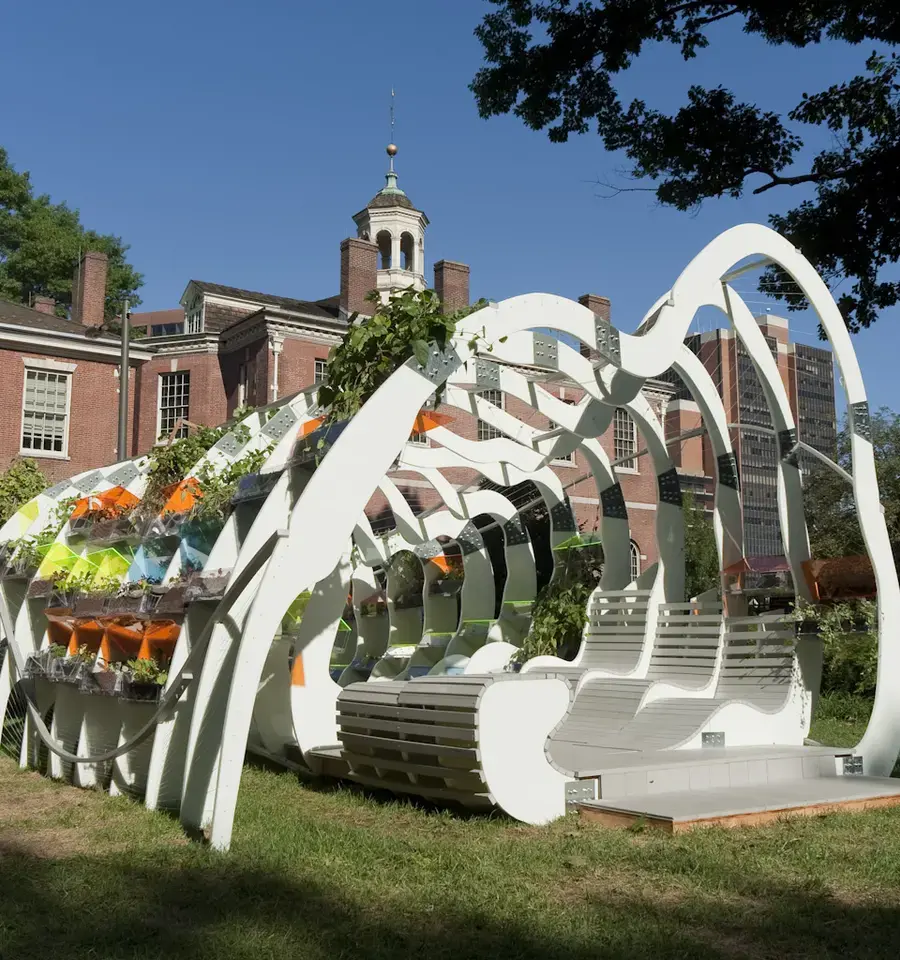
(776, 181)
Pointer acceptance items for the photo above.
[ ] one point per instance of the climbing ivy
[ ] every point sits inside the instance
(172, 462)
(371, 351)
(20, 482)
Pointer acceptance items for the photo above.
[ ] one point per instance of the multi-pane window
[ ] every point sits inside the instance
(243, 384)
(419, 437)
(567, 458)
(166, 329)
(193, 320)
(45, 412)
(174, 403)
(635, 561)
(485, 430)
(624, 440)
(320, 373)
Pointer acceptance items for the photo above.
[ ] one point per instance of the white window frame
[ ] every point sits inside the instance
(569, 459)
(317, 369)
(59, 370)
(159, 394)
(487, 431)
(630, 465)
(419, 439)
(634, 561)
(193, 318)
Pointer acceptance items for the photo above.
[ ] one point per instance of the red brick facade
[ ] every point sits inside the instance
(451, 283)
(359, 272)
(89, 289)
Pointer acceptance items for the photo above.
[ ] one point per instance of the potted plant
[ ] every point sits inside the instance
(40, 664)
(69, 669)
(102, 681)
(142, 680)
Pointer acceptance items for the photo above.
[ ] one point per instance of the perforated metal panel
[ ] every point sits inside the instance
(428, 550)
(577, 791)
(124, 475)
(853, 766)
(87, 483)
(728, 470)
(715, 738)
(669, 487)
(487, 374)
(546, 351)
(562, 518)
(441, 363)
(514, 532)
(787, 446)
(469, 540)
(57, 489)
(279, 425)
(230, 445)
(859, 418)
(612, 501)
(607, 341)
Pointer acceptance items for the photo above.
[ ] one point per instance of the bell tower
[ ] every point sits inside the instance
(397, 228)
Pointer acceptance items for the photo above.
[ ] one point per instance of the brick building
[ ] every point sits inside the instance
(225, 347)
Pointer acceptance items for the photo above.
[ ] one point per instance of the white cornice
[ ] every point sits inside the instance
(67, 344)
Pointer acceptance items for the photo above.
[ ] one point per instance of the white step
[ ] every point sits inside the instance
(745, 806)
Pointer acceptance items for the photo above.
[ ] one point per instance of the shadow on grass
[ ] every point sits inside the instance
(107, 907)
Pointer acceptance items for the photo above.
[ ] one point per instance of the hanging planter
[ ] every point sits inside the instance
(104, 682)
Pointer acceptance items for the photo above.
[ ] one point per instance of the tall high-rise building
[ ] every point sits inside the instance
(808, 376)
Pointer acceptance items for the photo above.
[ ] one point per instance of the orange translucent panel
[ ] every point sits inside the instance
(310, 426)
(60, 627)
(181, 497)
(87, 633)
(428, 420)
(160, 637)
(113, 501)
(122, 639)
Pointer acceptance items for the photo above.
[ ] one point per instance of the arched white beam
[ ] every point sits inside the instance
(790, 485)
(645, 355)
(614, 528)
(729, 514)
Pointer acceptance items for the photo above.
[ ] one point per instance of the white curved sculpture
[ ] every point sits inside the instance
(420, 698)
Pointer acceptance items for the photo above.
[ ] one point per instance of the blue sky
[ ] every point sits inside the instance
(232, 142)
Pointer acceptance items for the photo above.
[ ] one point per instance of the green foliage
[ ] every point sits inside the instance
(556, 65)
(560, 610)
(172, 462)
(40, 243)
(20, 482)
(849, 634)
(57, 650)
(828, 499)
(219, 485)
(701, 559)
(371, 351)
(147, 671)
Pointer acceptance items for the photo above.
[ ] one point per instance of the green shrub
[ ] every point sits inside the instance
(20, 482)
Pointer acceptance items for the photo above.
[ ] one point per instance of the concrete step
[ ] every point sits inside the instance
(754, 805)
(638, 774)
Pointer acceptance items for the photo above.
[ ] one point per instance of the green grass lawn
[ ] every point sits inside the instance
(323, 872)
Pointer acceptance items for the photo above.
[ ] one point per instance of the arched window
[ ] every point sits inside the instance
(407, 251)
(635, 561)
(383, 239)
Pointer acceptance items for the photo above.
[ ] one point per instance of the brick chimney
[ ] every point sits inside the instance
(601, 307)
(44, 305)
(359, 266)
(89, 289)
(451, 283)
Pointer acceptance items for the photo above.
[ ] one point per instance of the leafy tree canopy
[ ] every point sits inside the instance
(20, 482)
(554, 64)
(701, 559)
(830, 508)
(40, 242)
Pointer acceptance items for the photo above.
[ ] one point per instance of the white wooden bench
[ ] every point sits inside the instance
(616, 637)
(683, 662)
(763, 695)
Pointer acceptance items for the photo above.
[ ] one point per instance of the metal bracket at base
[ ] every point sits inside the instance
(853, 766)
(577, 791)
(715, 738)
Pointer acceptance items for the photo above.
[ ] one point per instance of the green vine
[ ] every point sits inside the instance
(170, 463)
(218, 486)
(560, 610)
(849, 635)
(371, 351)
